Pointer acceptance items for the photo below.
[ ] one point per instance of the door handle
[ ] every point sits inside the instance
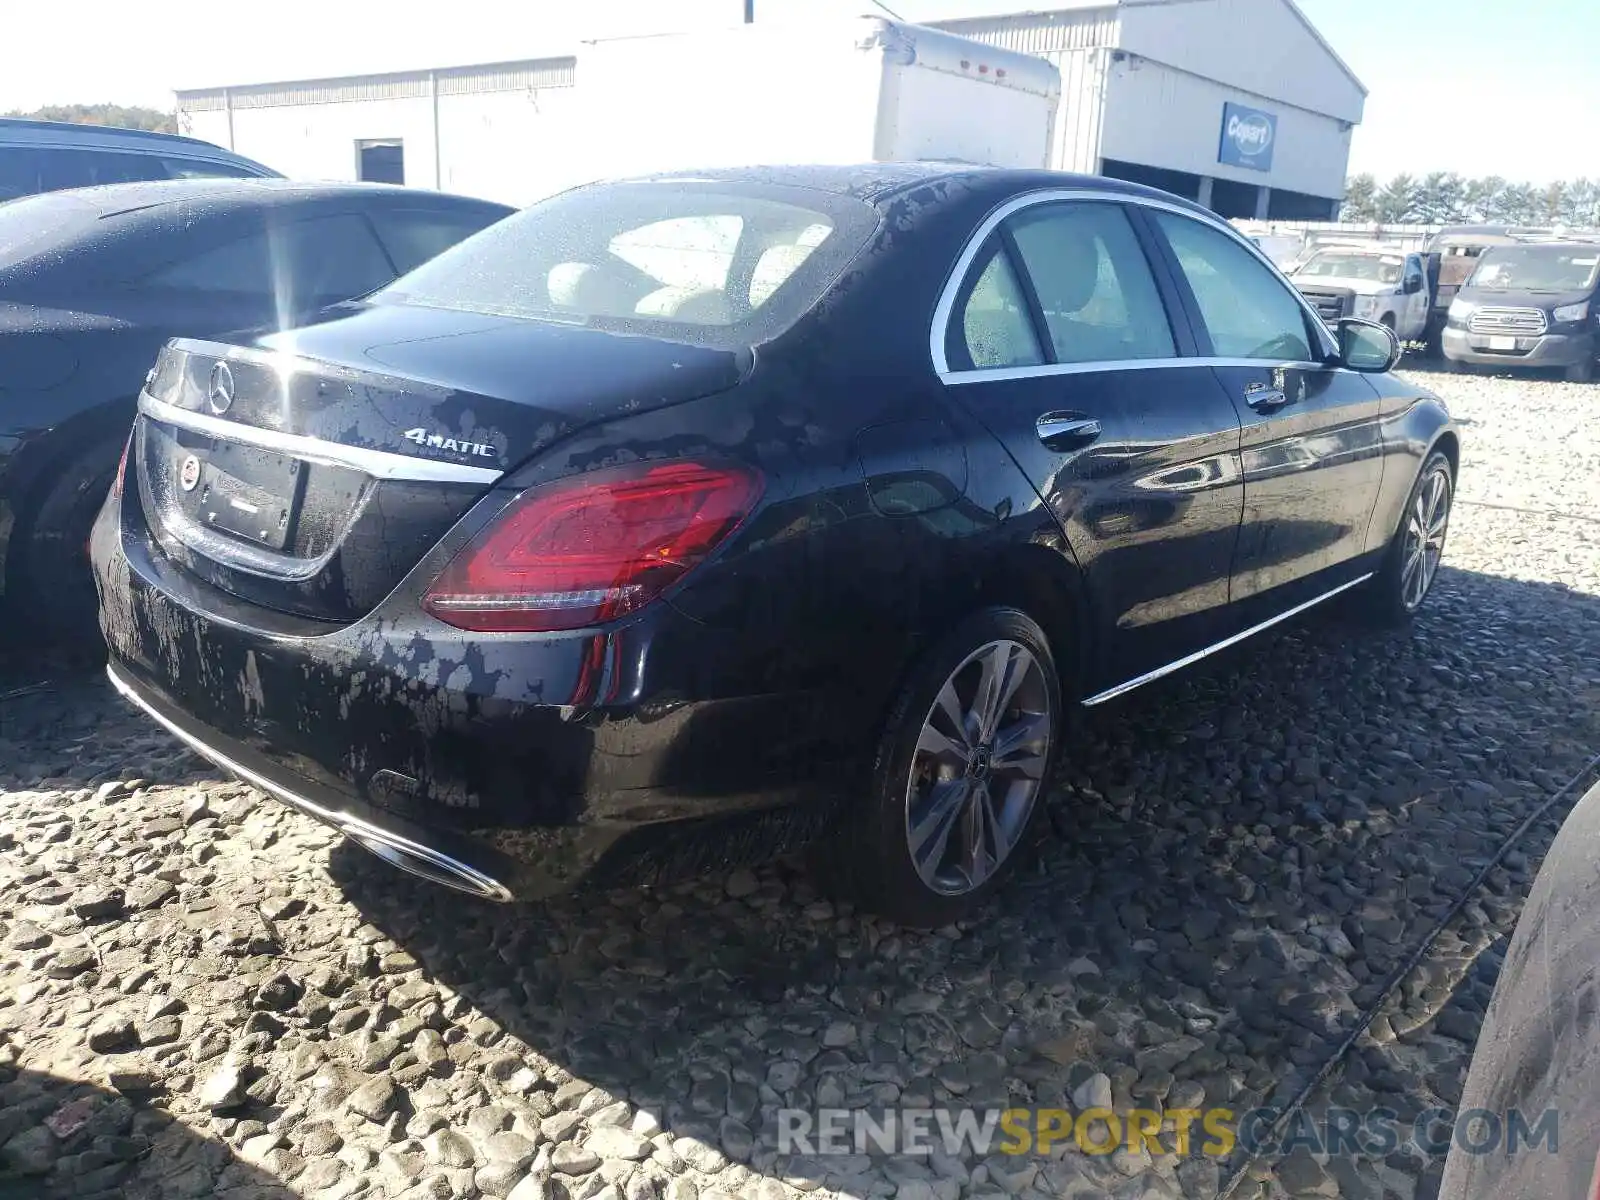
(1067, 431)
(1265, 399)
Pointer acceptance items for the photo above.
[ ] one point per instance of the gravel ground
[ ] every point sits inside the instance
(204, 994)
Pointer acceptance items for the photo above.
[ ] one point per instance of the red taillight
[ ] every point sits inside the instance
(593, 548)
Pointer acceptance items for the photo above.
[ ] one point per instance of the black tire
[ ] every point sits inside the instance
(1581, 372)
(1386, 599)
(877, 857)
(1455, 366)
(48, 584)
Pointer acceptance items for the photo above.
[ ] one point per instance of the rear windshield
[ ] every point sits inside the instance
(35, 223)
(1537, 268)
(724, 265)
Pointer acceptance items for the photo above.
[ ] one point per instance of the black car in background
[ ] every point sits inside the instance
(674, 521)
(49, 156)
(94, 281)
(1536, 304)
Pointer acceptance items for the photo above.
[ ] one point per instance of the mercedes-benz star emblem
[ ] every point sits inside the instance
(189, 473)
(219, 395)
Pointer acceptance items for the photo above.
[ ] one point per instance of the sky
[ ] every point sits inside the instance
(1454, 85)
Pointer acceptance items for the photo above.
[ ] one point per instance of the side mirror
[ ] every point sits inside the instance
(1367, 346)
(1413, 285)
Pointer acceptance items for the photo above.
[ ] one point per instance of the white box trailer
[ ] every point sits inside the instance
(861, 90)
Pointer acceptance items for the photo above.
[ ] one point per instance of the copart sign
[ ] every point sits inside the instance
(1248, 135)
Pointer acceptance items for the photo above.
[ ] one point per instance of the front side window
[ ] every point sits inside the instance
(1247, 311)
(720, 264)
(1094, 285)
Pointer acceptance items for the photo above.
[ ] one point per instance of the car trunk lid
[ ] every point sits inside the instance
(310, 470)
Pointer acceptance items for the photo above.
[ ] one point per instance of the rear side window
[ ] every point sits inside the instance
(412, 237)
(200, 168)
(996, 329)
(27, 170)
(719, 264)
(1248, 312)
(318, 261)
(1095, 288)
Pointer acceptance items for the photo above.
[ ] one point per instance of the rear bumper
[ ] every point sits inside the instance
(451, 857)
(514, 766)
(1547, 350)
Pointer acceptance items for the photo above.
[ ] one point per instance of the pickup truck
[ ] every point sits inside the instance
(1376, 283)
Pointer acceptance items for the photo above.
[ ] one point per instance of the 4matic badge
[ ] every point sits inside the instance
(438, 441)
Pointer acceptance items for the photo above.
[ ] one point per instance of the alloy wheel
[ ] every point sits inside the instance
(978, 767)
(1426, 525)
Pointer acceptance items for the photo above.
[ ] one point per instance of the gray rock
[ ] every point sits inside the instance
(558, 1127)
(224, 1087)
(700, 1155)
(111, 1035)
(70, 962)
(1093, 1092)
(508, 1147)
(374, 1099)
(741, 883)
(571, 1159)
(196, 807)
(279, 994)
(160, 1032)
(737, 1140)
(31, 1152)
(533, 1187)
(615, 1142)
(26, 936)
(1302, 1175)
(1011, 1172)
(99, 901)
(449, 1149)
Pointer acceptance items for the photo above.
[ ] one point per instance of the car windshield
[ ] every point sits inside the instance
(1375, 268)
(1537, 268)
(723, 265)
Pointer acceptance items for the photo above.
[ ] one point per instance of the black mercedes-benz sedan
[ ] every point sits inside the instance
(94, 281)
(676, 521)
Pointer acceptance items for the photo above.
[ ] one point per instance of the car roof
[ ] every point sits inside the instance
(880, 183)
(18, 129)
(115, 199)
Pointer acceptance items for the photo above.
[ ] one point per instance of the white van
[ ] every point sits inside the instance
(827, 92)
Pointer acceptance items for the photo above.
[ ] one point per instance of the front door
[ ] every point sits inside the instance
(1312, 444)
(1061, 342)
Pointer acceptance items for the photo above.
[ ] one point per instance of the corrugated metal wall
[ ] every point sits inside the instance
(1041, 33)
(1078, 42)
(452, 81)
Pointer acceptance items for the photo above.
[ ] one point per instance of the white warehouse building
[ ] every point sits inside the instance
(1240, 104)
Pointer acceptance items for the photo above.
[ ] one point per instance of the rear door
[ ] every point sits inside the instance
(1312, 444)
(1064, 339)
